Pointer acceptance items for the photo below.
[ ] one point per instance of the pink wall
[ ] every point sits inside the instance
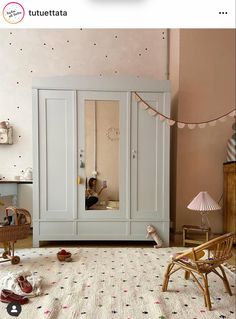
(206, 90)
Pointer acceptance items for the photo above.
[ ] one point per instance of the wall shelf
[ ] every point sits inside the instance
(6, 136)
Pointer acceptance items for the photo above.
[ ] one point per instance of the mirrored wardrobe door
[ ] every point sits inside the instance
(101, 154)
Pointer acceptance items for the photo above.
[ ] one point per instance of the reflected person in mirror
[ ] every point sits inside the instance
(91, 195)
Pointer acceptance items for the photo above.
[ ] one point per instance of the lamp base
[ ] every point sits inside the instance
(205, 224)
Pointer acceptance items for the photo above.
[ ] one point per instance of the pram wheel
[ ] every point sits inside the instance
(15, 260)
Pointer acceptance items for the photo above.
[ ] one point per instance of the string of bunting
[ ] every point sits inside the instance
(180, 124)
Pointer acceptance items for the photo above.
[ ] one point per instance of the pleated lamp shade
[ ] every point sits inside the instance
(203, 202)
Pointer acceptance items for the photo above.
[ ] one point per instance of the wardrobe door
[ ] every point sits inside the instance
(57, 155)
(150, 160)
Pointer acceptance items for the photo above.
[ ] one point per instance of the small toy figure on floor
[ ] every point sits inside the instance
(151, 231)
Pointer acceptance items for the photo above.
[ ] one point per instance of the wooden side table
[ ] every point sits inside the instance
(187, 229)
(10, 188)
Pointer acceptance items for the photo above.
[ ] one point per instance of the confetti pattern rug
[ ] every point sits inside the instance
(115, 283)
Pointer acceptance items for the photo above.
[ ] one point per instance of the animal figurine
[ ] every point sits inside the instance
(151, 231)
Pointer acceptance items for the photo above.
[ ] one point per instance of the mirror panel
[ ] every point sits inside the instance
(101, 154)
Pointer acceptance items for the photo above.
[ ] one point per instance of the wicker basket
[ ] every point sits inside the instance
(16, 232)
(63, 257)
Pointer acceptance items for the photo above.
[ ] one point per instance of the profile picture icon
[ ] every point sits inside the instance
(13, 12)
(14, 309)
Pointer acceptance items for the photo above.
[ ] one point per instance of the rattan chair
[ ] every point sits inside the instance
(202, 260)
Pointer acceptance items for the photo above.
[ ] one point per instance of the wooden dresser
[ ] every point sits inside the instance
(229, 199)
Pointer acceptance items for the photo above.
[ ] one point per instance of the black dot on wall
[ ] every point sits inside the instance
(106, 56)
(116, 36)
(81, 29)
(67, 41)
(69, 66)
(10, 43)
(19, 156)
(10, 32)
(8, 119)
(140, 54)
(116, 71)
(100, 74)
(52, 48)
(14, 165)
(44, 44)
(163, 38)
(17, 82)
(95, 44)
(21, 49)
(31, 71)
(18, 107)
(19, 136)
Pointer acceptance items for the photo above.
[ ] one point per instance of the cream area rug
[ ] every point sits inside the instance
(115, 283)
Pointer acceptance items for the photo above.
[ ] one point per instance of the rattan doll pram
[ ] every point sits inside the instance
(9, 234)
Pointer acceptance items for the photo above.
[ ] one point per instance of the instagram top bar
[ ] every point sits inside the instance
(118, 14)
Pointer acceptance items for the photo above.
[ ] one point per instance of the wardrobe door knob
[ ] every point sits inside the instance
(134, 153)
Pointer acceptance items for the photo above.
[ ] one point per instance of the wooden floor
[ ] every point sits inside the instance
(175, 242)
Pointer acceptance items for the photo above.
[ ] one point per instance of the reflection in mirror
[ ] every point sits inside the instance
(102, 155)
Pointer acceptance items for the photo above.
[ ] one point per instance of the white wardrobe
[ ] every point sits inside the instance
(95, 126)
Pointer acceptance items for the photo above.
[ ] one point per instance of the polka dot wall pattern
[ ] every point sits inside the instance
(37, 53)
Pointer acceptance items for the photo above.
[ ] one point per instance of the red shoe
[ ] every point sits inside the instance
(25, 286)
(9, 296)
